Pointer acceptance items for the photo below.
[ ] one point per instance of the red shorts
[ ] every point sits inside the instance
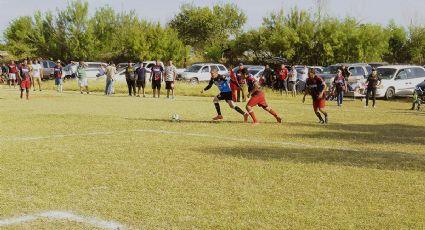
(257, 99)
(233, 87)
(319, 103)
(25, 84)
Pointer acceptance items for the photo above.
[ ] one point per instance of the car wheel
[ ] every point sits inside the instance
(389, 94)
(194, 81)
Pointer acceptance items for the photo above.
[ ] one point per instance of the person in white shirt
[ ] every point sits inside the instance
(170, 79)
(293, 80)
(37, 71)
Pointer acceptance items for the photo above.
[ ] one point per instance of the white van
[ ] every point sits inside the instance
(201, 72)
(399, 80)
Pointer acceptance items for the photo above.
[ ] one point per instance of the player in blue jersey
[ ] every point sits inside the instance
(223, 84)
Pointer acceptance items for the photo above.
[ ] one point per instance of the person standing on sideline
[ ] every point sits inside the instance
(339, 85)
(57, 73)
(373, 81)
(4, 70)
(223, 84)
(316, 87)
(242, 90)
(36, 72)
(283, 77)
(130, 77)
(170, 78)
(157, 72)
(82, 77)
(25, 79)
(234, 83)
(110, 74)
(12, 72)
(141, 79)
(268, 76)
(257, 98)
(293, 75)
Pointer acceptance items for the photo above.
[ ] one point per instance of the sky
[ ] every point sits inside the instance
(403, 12)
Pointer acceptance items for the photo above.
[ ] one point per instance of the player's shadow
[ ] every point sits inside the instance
(369, 159)
(194, 121)
(367, 133)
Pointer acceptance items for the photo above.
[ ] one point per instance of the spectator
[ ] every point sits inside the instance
(283, 77)
(110, 74)
(12, 72)
(36, 70)
(25, 79)
(268, 76)
(170, 78)
(373, 81)
(157, 72)
(339, 86)
(141, 79)
(57, 73)
(234, 84)
(130, 77)
(293, 75)
(243, 90)
(82, 77)
(4, 71)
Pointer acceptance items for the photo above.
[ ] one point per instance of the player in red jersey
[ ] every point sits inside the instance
(25, 79)
(257, 97)
(316, 87)
(234, 84)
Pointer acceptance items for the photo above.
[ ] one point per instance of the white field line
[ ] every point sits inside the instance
(61, 215)
(175, 133)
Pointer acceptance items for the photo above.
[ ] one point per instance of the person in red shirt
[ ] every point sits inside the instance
(25, 79)
(282, 80)
(234, 84)
(316, 87)
(257, 98)
(13, 71)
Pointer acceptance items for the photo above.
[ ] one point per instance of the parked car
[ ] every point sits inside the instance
(356, 82)
(201, 72)
(48, 69)
(378, 64)
(67, 70)
(399, 80)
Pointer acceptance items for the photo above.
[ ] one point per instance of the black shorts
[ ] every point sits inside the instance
(169, 85)
(227, 96)
(156, 84)
(141, 84)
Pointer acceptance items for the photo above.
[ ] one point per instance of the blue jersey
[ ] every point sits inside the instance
(223, 84)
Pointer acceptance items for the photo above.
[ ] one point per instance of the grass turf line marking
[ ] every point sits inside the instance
(61, 215)
(199, 135)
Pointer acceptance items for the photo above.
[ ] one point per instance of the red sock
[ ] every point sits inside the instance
(254, 119)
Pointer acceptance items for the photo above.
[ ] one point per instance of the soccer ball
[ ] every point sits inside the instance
(175, 118)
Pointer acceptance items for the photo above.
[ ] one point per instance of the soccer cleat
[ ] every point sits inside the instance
(245, 117)
(326, 119)
(218, 117)
(322, 122)
(278, 119)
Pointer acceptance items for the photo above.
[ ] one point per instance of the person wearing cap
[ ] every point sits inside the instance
(82, 77)
(57, 73)
(242, 90)
(373, 81)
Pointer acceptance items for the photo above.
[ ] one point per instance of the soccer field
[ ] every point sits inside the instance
(72, 161)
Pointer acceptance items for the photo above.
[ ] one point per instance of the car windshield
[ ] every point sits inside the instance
(253, 72)
(386, 73)
(330, 70)
(194, 68)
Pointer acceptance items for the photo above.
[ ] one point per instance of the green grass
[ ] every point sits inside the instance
(100, 156)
